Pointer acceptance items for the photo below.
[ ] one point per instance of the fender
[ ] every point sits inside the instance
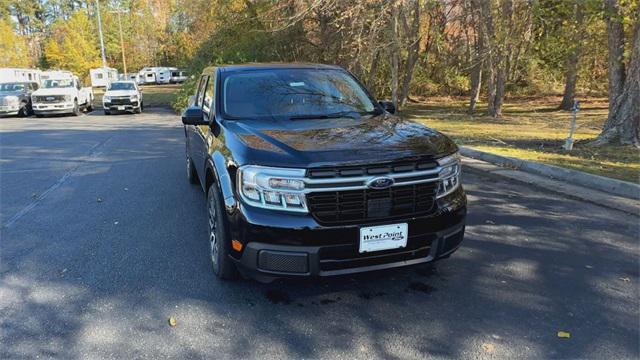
(216, 163)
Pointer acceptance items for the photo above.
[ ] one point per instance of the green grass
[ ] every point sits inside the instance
(532, 129)
(153, 95)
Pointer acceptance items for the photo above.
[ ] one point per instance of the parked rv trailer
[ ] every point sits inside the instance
(19, 75)
(147, 75)
(178, 76)
(103, 76)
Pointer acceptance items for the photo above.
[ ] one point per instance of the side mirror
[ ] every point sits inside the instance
(388, 106)
(194, 116)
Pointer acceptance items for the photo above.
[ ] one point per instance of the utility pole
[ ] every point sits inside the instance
(104, 59)
(124, 61)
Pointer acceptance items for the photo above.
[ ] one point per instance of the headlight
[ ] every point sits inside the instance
(106, 98)
(133, 97)
(449, 175)
(11, 100)
(272, 188)
(68, 98)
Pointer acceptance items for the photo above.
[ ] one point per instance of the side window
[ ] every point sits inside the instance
(200, 93)
(207, 105)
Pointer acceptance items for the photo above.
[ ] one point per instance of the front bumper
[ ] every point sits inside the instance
(59, 108)
(277, 245)
(6, 110)
(129, 106)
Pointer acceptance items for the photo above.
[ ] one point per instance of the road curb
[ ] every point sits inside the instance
(612, 186)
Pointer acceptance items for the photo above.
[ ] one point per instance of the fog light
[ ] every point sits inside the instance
(271, 197)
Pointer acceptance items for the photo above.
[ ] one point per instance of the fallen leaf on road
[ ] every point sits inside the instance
(126, 189)
(172, 321)
(99, 200)
(488, 347)
(115, 223)
(490, 222)
(588, 266)
(564, 334)
(34, 195)
(625, 279)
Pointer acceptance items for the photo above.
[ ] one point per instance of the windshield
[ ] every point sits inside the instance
(58, 83)
(292, 93)
(122, 86)
(10, 87)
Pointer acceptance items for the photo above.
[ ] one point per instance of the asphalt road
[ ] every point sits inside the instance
(103, 239)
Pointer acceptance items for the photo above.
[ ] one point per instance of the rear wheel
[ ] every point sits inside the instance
(90, 105)
(107, 112)
(223, 266)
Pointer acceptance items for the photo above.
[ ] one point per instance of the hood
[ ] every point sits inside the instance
(55, 91)
(120, 93)
(11, 93)
(314, 142)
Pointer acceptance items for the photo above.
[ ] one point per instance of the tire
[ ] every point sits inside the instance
(76, 108)
(24, 110)
(107, 112)
(192, 176)
(137, 110)
(90, 105)
(39, 115)
(141, 106)
(219, 239)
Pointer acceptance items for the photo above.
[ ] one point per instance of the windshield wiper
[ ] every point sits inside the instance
(336, 115)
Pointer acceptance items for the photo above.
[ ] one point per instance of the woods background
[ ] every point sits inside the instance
(483, 49)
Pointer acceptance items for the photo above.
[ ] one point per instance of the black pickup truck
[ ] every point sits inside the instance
(307, 175)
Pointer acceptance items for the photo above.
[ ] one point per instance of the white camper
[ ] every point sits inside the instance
(103, 76)
(148, 75)
(178, 76)
(19, 75)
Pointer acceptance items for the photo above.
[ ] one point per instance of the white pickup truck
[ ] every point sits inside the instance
(62, 94)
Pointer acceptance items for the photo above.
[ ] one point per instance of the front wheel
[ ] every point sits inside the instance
(24, 111)
(223, 266)
(90, 105)
(76, 108)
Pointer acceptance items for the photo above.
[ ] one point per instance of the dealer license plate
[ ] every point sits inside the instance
(384, 237)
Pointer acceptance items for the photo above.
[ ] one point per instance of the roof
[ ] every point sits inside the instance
(258, 66)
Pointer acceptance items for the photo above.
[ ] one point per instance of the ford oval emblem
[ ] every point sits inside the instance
(380, 183)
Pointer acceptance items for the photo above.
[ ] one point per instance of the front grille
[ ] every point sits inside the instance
(121, 101)
(365, 170)
(48, 98)
(283, 261)
(360, 206)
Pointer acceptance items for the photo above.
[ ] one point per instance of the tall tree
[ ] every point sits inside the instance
(571, 70)
(13, 47)
(622, 125)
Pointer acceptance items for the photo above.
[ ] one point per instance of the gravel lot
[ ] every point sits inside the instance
(103, 240)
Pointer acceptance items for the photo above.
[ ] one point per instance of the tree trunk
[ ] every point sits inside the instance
(496, 110)
(395, 55)
(413, 50)
(477, 58)
(571, 72)
(501, 59)
(624, 116)
(476, 84)
(615, 33)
